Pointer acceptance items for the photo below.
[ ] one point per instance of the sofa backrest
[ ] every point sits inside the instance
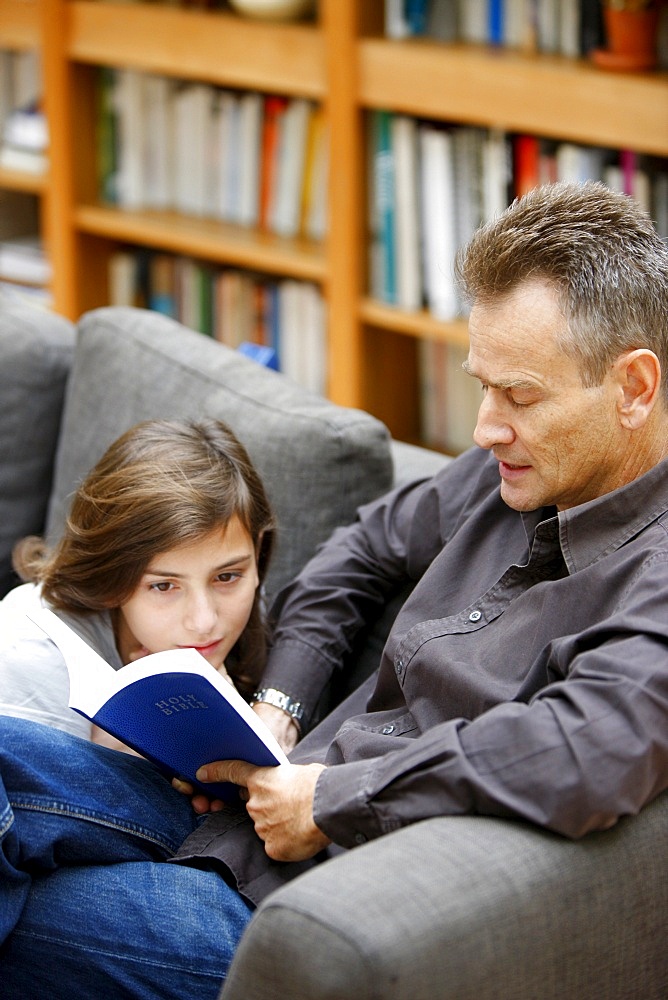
(36, 351)
(318, 461)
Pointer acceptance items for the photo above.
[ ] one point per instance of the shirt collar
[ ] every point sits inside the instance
(592, 530)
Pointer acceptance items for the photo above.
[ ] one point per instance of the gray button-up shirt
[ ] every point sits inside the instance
(526, 675)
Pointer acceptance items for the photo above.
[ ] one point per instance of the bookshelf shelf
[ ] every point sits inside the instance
(19, 24)
(212, 47)
(543, 95)
(413, 324)
(19, 180)
(206, 239)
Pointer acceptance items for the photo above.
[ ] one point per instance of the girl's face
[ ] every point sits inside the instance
(199, 595)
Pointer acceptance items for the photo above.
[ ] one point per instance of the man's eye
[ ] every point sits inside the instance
(520, 402)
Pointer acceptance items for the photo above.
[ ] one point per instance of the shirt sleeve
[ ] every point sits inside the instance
(360, 569)
(34, 685)
(586, 750)
(343, 588)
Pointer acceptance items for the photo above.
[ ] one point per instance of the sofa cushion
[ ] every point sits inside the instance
(36, 350)
(319, 461)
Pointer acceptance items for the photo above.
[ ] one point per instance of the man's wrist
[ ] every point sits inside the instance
(279, 699)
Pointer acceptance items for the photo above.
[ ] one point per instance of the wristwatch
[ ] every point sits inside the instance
(279, 699)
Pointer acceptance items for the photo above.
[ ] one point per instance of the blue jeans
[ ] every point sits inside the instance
(87, 906)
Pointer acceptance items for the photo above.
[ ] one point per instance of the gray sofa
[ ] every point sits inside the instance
(451, 908)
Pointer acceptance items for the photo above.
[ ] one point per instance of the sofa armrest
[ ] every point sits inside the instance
(470, 908)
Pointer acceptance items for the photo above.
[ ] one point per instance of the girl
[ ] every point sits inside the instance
(167, 544)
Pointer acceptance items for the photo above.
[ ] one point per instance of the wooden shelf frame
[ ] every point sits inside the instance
(536, 94)
(19, 24)
(207, 239)
(215, 48)
(341, 60)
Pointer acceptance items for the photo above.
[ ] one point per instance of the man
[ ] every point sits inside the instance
(526, 674)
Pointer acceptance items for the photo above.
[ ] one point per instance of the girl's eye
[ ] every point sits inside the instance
(163, 586)
(228, 577)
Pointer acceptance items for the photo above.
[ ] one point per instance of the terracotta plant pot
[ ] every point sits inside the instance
(631, 39)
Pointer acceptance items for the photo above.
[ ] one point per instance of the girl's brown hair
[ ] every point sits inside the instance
(161, 485)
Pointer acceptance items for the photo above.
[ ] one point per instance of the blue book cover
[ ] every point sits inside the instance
(173, 707)
(495, 22)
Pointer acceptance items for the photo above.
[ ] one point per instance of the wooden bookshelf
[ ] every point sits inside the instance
(19, 24)
(341, 60)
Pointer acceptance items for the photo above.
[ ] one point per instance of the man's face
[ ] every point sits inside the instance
(556, 441)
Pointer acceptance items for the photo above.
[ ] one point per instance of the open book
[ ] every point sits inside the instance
(173, 708)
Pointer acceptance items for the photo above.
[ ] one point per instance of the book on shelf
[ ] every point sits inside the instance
(106, 135)
(159, 137)
(567, 27)
(231, 305)
(128, 104)
(24, 134)
(274, 111)
(302, 337)
(124, 280)
(225, 142)
(285, 214)
(313, 220)
(23, 260)
(404, 140)
(381, 245)
(241, 157)
(192, 112)
(437, 204)
(431, 185)
(25, 140)
(22, 255)
(173, 707)
(162, 284)
(449, 398)
(246, 159)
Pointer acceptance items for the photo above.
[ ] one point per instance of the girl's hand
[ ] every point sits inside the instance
(105, 739)
(280, 723)
(200, 802)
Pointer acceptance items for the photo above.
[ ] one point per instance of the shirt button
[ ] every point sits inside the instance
(386, 730)
(360, 838)
(475, 616)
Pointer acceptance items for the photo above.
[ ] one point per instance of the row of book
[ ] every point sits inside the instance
(449, 397)
(430, 187)
(23, 129)
(566, 27)
(25, 269)
(235, 307)
(258, 160)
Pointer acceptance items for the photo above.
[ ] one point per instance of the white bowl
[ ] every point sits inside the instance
(273, 10)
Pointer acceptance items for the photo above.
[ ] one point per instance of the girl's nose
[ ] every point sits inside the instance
(200, 617)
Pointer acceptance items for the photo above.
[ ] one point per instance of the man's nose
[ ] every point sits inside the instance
(492, 426)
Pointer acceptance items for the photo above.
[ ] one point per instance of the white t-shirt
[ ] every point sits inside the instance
(34, 683)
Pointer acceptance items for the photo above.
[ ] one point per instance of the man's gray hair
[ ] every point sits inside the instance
(601, 253)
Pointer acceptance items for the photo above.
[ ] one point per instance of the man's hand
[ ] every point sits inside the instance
(279, 800)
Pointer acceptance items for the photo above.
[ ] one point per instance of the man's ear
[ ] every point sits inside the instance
(639, 375)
